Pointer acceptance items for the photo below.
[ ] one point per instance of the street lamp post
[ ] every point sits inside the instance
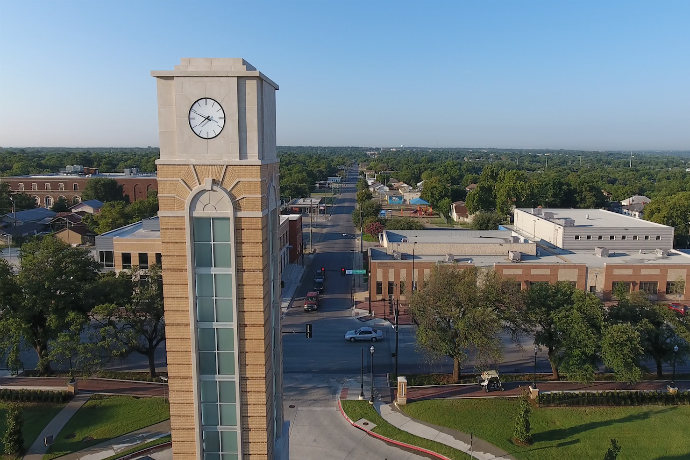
(414, 245)
(673, 379)
(371, 399)
(534, 376)
(397, 313)
(361, 379)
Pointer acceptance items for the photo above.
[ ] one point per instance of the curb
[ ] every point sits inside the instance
(148, 450)
(388, 440)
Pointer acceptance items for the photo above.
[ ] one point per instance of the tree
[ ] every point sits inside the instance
(374, 228)
(459, 317)
(144, 209)
(523, 429)
(579, 329)
(60, 205)
(621, 350)
(363, 196)
(362, 184)
(674, 211)
(56, 285)
(13, 438)
(435, 191)
(137, 324)
(103, 189)
(114, 214)
(482, 198)
(486, 221)
(613, 451)
(544, 301)
(654, 324)
(22, 202)
(368, 209)
(403, 223)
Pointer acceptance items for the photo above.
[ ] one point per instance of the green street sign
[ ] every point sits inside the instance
(359, 272)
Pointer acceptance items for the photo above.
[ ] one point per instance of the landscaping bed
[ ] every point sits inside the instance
(415, 380)
(107, 417)
(565, 433)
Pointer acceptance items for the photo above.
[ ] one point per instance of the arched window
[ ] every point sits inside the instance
(212, 228)
(76, 200)
(48, 201)
(61, 186)
(75, 187)
(21, 186)
(47, 186)
(34, 186)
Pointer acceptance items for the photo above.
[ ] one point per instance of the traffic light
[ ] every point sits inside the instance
(308, 330)
(323, 271)
(342, 271)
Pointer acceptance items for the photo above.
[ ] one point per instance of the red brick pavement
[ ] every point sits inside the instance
(381, 309)
(121, 387)
(513, 389)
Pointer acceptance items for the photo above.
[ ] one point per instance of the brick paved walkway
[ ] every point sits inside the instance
(513, 389)
(104, 386)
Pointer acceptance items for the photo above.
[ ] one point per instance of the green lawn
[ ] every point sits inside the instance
(36, 417)
(103, 418)
(644, 432)
(362, 409)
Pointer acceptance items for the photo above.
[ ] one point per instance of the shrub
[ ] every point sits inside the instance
(13, 438)
(523, 429)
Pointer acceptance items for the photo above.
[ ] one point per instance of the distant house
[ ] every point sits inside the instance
(37, 215)
(636, 199)
(634, 210)
(64, 220)
(76, 235)
(607, 195)
(89, 206)
(471, 187)
(459, 213)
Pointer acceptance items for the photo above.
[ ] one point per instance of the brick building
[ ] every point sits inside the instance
(48, 188)
(640, 258)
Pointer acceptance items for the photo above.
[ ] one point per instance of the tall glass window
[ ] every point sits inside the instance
(215, 315)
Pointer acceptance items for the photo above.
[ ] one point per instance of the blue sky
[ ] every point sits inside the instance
(594, 75)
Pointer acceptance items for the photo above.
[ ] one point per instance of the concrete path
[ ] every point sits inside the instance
(125, 442)
(38, 448)
(101, 386)
(478, 448)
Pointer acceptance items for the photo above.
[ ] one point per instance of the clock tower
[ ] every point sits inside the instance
(218, 194)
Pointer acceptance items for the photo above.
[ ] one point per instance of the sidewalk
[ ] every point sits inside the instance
(122, 443)
(292, 277)
(352, 388)
(38, 448)
(478, 449)
(102, 386)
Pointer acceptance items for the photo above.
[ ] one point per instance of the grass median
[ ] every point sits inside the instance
(362, 409)
(107, 417)
(566, 433)
(35, 415)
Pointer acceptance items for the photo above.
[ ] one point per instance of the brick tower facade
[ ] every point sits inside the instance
(218, 194)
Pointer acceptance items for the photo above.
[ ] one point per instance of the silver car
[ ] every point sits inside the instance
(364, 333)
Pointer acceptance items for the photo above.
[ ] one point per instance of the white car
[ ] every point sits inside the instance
(364, 333)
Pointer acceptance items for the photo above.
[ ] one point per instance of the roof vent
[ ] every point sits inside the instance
(568, 222)
(514, 239)
(601, 252)
(404, 240)
(450, 258)
(514, 256)
(396, 255)
(536, 211)
(663, 253)
(548, 215)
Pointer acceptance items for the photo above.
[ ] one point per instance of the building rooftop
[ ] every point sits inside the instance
(551, 257)
(83, 176)
(135, 231)
(442, 236)
(594, 218)
(30, 215)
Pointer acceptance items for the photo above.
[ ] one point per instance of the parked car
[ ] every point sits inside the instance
(318, 286)
(319, 280)
(311, 302)
(682, 309)
(490, 380)
(364, 333)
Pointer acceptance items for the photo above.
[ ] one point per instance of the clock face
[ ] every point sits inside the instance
(206, 118)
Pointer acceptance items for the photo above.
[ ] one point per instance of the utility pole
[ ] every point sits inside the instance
(397, 313)
(631, 159)
(311, 226)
